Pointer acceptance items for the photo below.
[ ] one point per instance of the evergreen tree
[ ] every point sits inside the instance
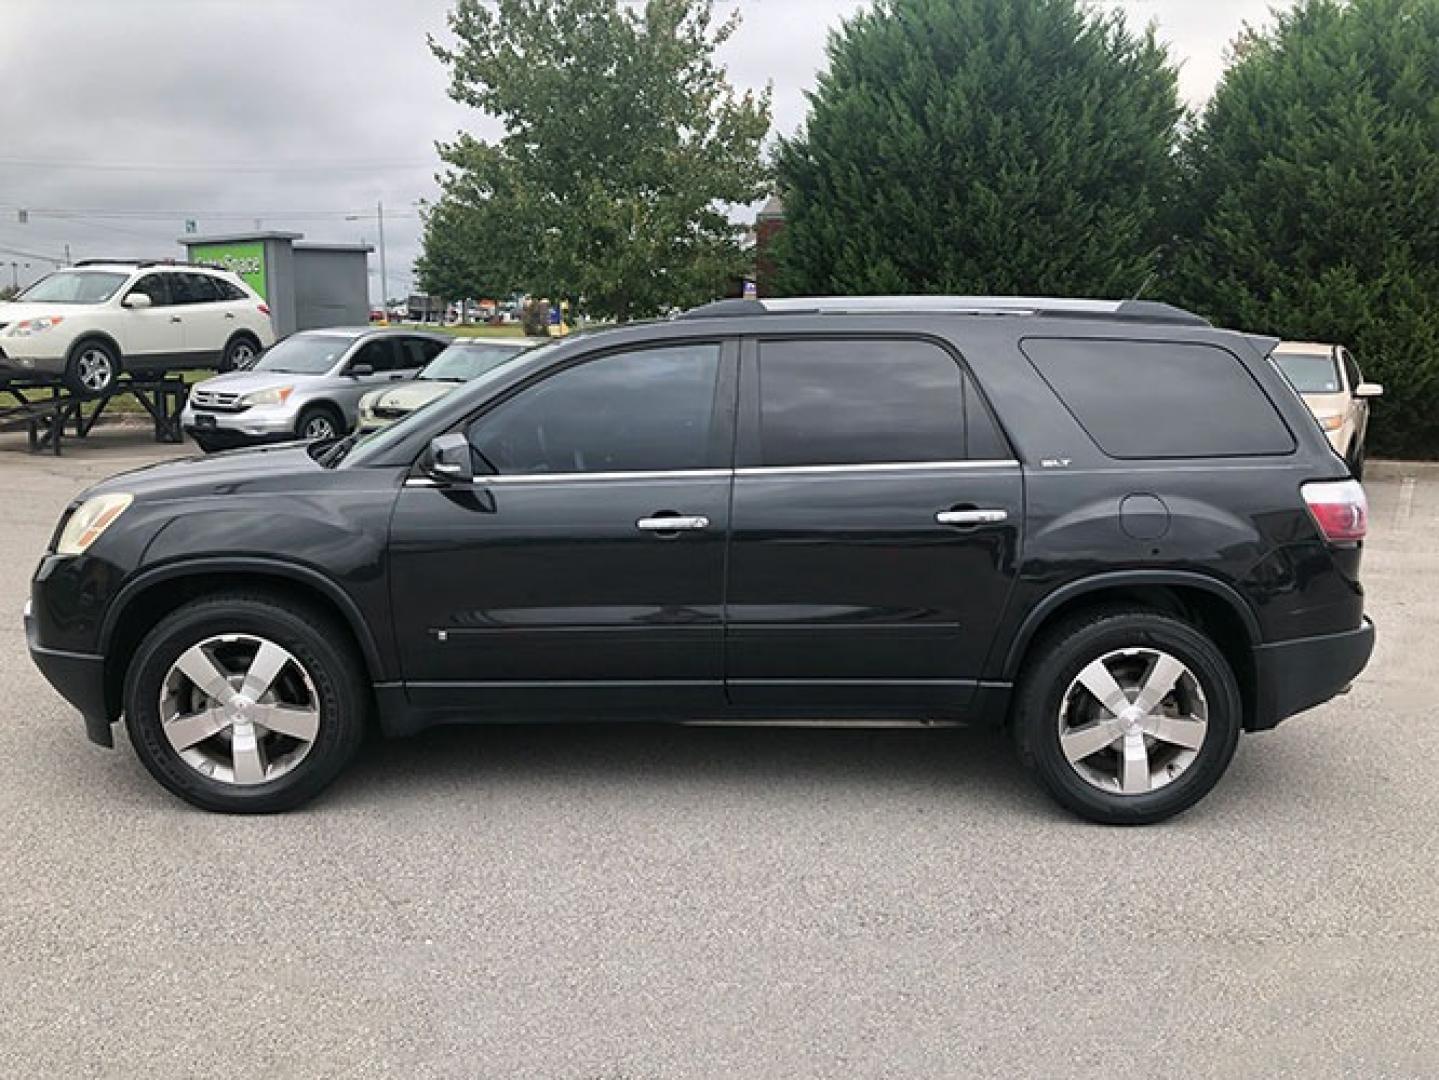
(981, 146)
(1314, 198)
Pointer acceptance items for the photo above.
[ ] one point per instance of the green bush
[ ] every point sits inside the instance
(1312, 206)
(981, 146)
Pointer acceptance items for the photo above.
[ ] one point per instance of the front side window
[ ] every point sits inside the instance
(648, 410)
(155, 286)
(867, 401)
(380, 355)
(195, 289)
(74, 287)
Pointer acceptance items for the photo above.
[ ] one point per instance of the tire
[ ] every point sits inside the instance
(315, 685)
(1055, 712)
(239, 350)
(92, 369)
(319, 423)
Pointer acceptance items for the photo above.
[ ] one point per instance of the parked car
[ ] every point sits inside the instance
(88, 324)
(1108, 526)
(307, 386)
(465, 359)
(1329, 380)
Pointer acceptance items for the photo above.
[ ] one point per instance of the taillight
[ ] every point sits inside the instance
(1339, 508)
(264, 308)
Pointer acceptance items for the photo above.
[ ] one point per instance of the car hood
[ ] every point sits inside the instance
(11, 312)
(412, 395)
(239, 472)
(245, 382)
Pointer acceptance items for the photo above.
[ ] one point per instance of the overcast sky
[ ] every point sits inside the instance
(123, 119)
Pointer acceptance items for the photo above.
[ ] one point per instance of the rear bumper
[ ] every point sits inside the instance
(80, 679)
(1292, 676)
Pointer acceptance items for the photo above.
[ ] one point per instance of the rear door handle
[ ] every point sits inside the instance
(229, 314)
(174, 318)
(673, 523)
(971, 517)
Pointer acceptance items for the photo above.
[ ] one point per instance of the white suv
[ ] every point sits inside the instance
(88, 323)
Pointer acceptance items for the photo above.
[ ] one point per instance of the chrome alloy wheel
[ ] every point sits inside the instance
(242, 354)
(95, 369)
(239, 709)
(318, 428)
(1133, 721)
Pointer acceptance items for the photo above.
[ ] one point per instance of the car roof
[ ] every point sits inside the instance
(518, 342)
(1145, 311)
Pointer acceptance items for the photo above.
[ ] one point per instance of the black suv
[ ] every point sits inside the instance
(1108, 526)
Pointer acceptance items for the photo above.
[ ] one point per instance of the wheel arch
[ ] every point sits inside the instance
(87, 336)
(246, 333)
(1214, 606)
(156, 593)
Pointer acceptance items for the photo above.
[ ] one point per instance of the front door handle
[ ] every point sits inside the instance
(229, 314)
(971, 517)
(174, 318)
(673, 523)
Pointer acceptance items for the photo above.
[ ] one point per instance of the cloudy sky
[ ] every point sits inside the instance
(124, 119)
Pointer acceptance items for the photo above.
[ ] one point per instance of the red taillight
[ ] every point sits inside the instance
(264, 308)
(1339, 508)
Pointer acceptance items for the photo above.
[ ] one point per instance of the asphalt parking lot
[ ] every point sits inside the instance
(635, 902)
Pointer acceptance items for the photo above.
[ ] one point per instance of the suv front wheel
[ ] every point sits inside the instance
(1127, 716)
(245, 703)
(92, 369)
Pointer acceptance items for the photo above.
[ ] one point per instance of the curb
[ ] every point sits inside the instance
(1380, 469)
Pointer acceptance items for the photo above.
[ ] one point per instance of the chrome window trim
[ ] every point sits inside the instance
(719, 474)
(882, 467)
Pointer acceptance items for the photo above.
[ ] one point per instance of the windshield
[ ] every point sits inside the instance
(304, 354)
(370, 446)
(74, 287)
(1310, 373)
(465, 361)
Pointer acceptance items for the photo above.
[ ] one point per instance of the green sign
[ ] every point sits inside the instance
(247, 260)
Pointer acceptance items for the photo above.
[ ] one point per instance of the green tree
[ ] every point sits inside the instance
(981, 146)
(623, 143)
(1313, 198)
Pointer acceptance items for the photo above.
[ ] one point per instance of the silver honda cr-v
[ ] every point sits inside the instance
(307, 386)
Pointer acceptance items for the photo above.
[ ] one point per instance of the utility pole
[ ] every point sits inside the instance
(384, 277)
(67, 254)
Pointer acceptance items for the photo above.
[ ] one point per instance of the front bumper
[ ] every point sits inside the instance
(254, 425)
(1291, 676)
(80, 679)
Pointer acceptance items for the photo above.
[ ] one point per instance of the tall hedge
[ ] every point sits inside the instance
(1313, 196)
(981, 146)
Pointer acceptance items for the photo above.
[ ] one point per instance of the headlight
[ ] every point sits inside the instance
(89, 522)
(275, 396)
(1331, 423)
(26, 327)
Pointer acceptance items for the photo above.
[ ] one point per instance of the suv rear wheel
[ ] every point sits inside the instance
(239, 352)
(245, 704)
(1127, 716)
(92, 369)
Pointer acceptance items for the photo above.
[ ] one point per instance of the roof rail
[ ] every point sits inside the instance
(146, 263)
(1130, 310)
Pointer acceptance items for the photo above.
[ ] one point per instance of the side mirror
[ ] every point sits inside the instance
(137, 300)
(1368, 390)
(359, 371)
(450, 459)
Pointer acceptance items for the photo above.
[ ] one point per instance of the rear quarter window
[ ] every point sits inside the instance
(1160, 399)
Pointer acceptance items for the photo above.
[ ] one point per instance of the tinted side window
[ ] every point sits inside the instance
(859, 401)
(380, 355)
(153, 286)
(201, 289)
(1147, 399)
(227, 290)
(417, 352)
(637, 411)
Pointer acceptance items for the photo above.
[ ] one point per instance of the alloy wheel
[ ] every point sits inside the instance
(242, 354)
(319, 427)
(1133, 721)
(240, 709)
(95, 369)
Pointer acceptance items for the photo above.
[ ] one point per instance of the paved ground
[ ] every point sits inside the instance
(648, 902)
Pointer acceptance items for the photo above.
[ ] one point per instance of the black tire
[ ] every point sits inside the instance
(312, 639)
(239, 350)
(1054, 664)
(316, 416)
(85, 368)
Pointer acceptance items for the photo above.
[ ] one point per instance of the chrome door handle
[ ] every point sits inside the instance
(229, 314)
(971, 517)
(676, 523)
(174, 318)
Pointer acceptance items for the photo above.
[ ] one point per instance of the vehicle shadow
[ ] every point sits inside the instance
(972, 763)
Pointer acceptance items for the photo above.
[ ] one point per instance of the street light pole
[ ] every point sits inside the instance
(384, 277)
